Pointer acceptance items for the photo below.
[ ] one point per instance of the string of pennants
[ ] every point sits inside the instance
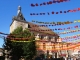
(27, 39)
(48, 13)
(65, 38)
(66, 22)
(64, 48)
(68, 28)
(65, 32)
(49, 3)
(73, 40)
(71, 37)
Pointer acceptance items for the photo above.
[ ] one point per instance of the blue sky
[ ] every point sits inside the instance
(8, 9)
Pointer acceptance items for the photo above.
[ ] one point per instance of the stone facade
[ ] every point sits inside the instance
(16, 24)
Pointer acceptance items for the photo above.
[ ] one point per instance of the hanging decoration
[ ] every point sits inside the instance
(71, 37)
(73, 40)
(3, 33)
(27, 39)
(54, 23)
(65, 38)
(59, 33)
(49, 3)
(21, 41)
(60, 12)
(65, 46)
(67, 32)
(66, 22)
(69, 28)
(54, 34)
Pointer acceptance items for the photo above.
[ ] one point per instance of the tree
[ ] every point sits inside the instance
(18, 49)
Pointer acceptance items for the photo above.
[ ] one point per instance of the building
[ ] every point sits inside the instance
(47, 38)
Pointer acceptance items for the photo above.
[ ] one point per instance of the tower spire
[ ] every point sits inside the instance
(19, 9)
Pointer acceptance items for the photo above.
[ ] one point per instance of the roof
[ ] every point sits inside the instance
(19, 18)
(44, 29)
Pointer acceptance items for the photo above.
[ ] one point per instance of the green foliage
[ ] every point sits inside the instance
(26, 49)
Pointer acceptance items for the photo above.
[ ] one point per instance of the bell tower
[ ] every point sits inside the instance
(18, 21)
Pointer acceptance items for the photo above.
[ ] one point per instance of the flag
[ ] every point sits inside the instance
(60, 11)
(40, 4)
(76, 26)
(52, 12)
(36, 4)
(75, 21)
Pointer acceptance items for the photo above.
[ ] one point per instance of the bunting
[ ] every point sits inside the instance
(59, 33)
(65, 47)
(57, 23)
(27, 39)
(71, 37)
(68, 28)
(49, 3)
(67, 32)
(49, 13)
(65, 38)
(73, 40)
(21, 41)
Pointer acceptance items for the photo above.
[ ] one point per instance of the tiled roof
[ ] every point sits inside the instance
(44, 29)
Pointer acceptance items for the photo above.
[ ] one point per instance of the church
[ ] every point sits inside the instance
(46, 38)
